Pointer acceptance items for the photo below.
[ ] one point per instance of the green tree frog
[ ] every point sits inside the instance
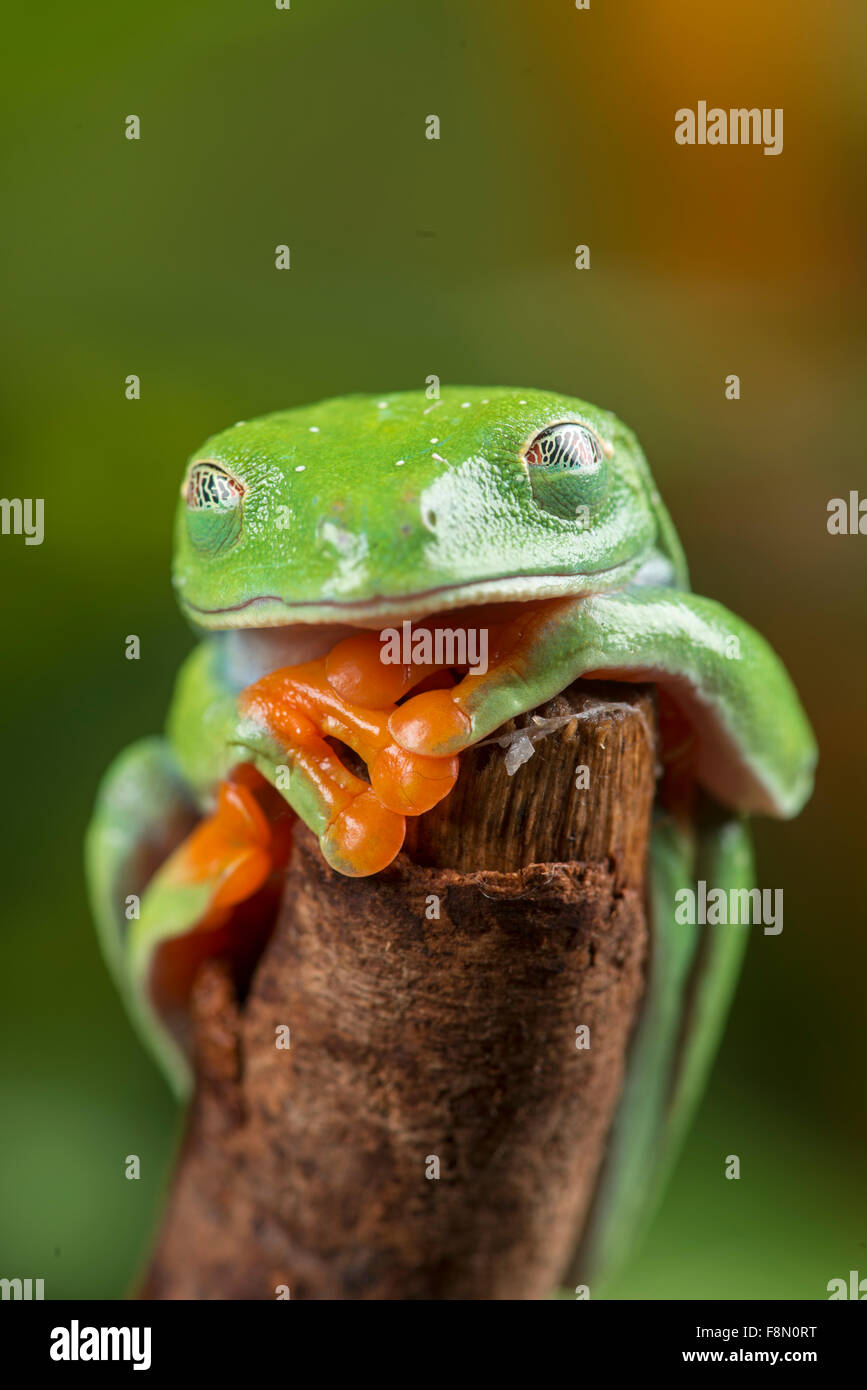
(304, 542)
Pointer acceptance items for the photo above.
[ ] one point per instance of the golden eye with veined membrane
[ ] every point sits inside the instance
(213, 500)
(568, 468)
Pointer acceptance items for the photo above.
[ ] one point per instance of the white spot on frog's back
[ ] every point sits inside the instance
(333, 534)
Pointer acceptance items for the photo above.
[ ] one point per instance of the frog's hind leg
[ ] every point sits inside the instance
(170, 889)
(692, 972)
(144, 809)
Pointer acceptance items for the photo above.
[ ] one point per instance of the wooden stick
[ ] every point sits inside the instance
(432, 1130)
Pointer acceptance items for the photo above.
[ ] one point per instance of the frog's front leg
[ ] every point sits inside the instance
(755, 749)
(287, 719)
(282, 724)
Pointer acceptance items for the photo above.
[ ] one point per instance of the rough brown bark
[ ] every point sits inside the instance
(423, 1043)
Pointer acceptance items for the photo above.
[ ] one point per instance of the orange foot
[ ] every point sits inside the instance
(239, 853)
(350, 696)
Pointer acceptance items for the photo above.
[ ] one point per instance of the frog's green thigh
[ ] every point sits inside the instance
(159, 872)
(168, 864)
(725, 859)
(144, 809)
(756, 749)
(213, 896)
(692, 972)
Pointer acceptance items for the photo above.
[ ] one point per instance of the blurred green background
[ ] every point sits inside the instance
(412, 257)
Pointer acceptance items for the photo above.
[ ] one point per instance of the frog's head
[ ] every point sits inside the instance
(364, 509)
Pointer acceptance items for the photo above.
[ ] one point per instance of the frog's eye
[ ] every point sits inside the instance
(568, 468)
(568, 447)
(213, 509)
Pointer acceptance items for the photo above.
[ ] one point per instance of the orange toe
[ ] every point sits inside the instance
(233, 849)
(364, 837)
(410, 783)
(356, 672)
(431, 723)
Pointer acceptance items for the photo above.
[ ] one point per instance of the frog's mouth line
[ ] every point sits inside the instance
(271, 610)
(249, 653)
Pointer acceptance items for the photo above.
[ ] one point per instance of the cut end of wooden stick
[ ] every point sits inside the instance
(583, 795)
